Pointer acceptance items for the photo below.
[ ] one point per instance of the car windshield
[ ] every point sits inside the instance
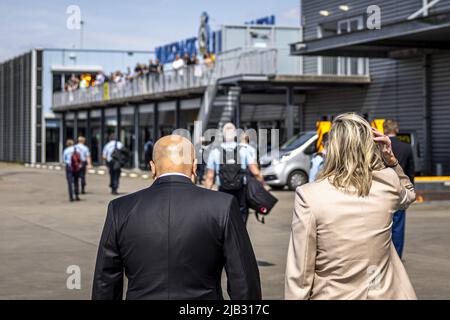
(296, 141)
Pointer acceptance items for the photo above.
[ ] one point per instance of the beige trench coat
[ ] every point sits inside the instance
(340, 245)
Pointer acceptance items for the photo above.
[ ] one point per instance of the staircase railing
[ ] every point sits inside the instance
(233, 63)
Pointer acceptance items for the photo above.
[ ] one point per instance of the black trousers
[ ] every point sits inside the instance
(114, 176)
(241, 197)
(83, 175)
(200, 172)
(72, 182)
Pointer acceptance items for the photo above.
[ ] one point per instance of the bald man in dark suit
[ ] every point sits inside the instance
(173, 239)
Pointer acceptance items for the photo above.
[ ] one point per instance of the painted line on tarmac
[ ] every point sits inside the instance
(101, 172)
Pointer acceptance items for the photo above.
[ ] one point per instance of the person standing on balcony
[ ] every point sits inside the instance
(152, 67)
(159, 66)
(100, 78)
(193, 59)
(208, 61)
(198, 72)
(403, 152)
(187, 59)
(178, 65)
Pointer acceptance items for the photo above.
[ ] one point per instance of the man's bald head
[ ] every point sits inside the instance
(173, 154)
(229, 132)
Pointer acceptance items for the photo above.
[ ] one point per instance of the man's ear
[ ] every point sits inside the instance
(153, 168)
(194, 168)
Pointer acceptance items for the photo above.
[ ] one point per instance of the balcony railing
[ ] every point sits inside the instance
(235, 62)
(172, 80)
(196, 76)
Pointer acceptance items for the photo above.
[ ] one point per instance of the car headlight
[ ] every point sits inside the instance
(283, 158)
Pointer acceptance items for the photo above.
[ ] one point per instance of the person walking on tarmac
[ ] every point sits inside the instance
(229, 164)
(85, 159)
(113, 156)
(148, 153)
(403, 152)
(318, 159)
(72, 160)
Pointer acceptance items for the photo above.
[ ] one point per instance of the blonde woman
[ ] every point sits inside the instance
(340, 245)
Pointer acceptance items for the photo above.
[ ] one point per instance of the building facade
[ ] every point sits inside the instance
(29, 130)
(21, 108)
(408, 59)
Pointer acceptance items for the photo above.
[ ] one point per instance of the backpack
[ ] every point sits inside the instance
(75, 161)
(119, 157)
(258, 198)
(231, 174)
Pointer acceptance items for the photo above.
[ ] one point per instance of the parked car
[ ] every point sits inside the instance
(291, 167)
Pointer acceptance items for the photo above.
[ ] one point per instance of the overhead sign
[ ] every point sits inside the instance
(203, 33)
(269, 20)
(205, 42)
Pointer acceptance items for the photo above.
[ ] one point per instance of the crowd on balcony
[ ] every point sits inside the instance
(180, 65)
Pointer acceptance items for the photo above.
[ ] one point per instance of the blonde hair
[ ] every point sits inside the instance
(352, 155)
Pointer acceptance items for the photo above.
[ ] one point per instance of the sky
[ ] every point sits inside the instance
(126, 24)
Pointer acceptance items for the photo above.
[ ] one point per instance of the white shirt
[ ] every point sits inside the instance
(83, 150)
(67, 155)
(178, 65)
(174, 174)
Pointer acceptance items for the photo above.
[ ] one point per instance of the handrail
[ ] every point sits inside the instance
(233, 62)
(254, 61)
(240, 61)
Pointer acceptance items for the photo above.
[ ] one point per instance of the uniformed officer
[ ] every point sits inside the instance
(86, 160)
(71, 157)
(114, 168)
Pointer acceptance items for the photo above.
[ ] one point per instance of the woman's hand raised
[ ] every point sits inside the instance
(386, 148)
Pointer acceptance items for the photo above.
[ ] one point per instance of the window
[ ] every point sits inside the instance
(347, 65)
(341, 65)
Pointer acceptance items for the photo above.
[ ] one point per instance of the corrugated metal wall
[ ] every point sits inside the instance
(440, 110)
(15, 109)
(391, 10)
(397, 85)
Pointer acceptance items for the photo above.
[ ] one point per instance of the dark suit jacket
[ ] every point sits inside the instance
(404, 155)
(172, 240)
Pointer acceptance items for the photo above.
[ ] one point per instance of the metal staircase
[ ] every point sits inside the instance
(228, 104)
(232, 63)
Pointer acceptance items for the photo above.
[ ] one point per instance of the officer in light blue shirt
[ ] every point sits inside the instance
(214, 158)
(114, 168)
(247, 161)
(318, 160)
(316, 165)
(72, 175)
(109, 148)
(86, 159)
